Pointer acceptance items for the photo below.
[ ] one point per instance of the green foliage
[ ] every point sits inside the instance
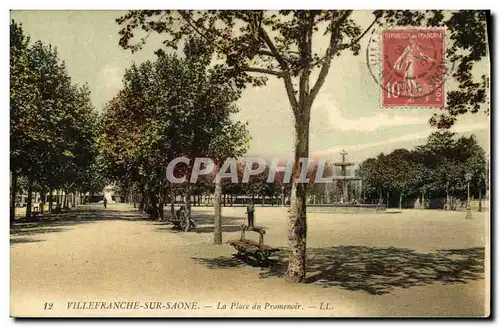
(171, 107)
(52, 121)
(436, 168)
(23, 96)
(280, 44)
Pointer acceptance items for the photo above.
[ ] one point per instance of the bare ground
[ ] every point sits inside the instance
(413, 263)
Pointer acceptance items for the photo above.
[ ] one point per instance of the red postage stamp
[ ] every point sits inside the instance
(413, 68)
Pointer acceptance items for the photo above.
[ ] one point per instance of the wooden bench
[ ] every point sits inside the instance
(248, 248)
(178, 222)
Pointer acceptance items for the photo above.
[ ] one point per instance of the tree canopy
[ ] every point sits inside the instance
(52, 120)
(435, 169)
(171, 107)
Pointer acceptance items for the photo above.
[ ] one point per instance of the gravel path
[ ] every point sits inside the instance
(359, 265)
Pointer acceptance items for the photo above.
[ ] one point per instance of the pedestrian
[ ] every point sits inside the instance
(250, 214)
(105, 202)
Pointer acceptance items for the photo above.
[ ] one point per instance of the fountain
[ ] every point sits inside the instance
(345, 179)
(351, 200)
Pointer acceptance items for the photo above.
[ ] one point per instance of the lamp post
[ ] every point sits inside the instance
(282, 195)
(468, 177)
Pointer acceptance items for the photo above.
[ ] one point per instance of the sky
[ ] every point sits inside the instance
(345, 115)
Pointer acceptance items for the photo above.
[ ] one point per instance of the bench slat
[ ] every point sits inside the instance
(251, 246)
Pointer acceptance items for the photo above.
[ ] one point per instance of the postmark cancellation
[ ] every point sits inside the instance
(410, 66)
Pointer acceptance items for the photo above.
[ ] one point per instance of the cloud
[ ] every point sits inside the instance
(464, 128)
(370, 123)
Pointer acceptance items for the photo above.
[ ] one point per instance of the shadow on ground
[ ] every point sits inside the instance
(374, 270)
(225, 229)
(57, 222)
(208, 219)
(230, 224)
(24, 240)
(198, 229)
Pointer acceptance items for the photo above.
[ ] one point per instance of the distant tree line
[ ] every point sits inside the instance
(436, 169)
(52, 125)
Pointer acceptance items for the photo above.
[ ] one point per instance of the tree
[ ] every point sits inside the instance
(405, 173)
(171, 107)
(23, 97)
(124, 142)
(52, 121)
(229, 140)
(436, 168)
(280, 44)
(477, 165)
(377, 177)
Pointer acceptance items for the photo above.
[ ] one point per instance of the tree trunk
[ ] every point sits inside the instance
(165, 200)
(480, 207)
(50, 199)
(263, 200)
(13, 192)
(142, 202)
(400, 201)
(42, 200)
(142, 198)
(161, 203)
(387, 199)
(217, 215)
(172, 204)
(30, 198)
(187, 202)
(65, 201)
(153, 201)
(297, 220)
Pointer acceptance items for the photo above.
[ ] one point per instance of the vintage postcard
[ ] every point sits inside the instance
(250, 163)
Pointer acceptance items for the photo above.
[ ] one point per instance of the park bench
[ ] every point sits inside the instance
(179, 222)
(250, 249)
(176, 222)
